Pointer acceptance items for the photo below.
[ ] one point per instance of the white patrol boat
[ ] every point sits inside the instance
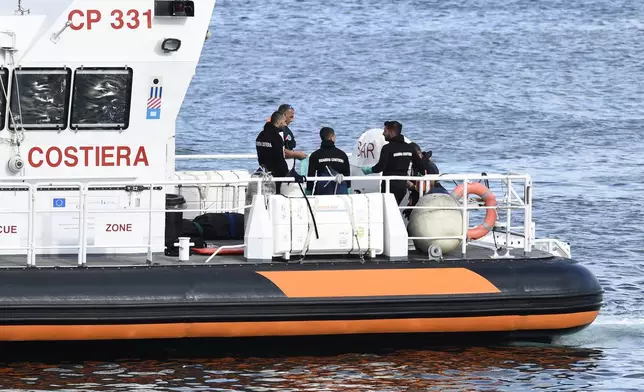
(96, 241)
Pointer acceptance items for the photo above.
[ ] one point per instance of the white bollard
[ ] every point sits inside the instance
(184, 245)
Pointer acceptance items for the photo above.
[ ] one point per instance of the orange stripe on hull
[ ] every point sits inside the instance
(380, 282)
(294, 328)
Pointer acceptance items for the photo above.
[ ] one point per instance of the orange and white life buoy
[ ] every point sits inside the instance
(490, 201)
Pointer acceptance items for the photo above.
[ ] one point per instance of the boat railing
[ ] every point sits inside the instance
(205, 157)
(512, 200)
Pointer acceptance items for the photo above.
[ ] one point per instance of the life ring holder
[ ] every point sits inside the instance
(490, 201)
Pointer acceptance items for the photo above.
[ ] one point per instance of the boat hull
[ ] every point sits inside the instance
(538, 297)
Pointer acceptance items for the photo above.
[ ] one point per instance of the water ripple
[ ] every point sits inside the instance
(551, 88)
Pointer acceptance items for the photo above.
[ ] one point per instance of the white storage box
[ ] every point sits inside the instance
(293, 230)
(214, 197)
(57, 216)
(115, 218)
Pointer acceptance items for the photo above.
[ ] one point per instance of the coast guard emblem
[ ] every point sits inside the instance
(154, 100)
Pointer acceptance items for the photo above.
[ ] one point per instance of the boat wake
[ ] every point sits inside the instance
(608, 332)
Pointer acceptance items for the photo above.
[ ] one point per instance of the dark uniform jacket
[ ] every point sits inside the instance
(395, 158)
(289, 138)
(270, 153)
(331, 156)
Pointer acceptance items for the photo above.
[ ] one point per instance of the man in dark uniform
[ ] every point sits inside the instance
(328, 157)
(395, 158)
(289, 139)
(270, 148)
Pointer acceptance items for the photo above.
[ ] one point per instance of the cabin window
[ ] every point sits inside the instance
(4, 90)
(40, 98)
(101, 98)
(174, 8)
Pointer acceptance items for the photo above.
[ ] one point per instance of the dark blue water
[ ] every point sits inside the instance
(550, 88)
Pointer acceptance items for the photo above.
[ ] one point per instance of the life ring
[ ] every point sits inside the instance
(490, 201)
(223, 252)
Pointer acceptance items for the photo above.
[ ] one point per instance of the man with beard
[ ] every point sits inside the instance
(270, 147)
(395, 158)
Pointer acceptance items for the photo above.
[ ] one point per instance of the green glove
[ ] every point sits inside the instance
(349, 191)
(367, 170)
(308, 192)
(304, 166)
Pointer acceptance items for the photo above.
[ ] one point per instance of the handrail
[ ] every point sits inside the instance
(56, 180)
(215, 156)
(189, 157)
(508, 203)
(428, 177)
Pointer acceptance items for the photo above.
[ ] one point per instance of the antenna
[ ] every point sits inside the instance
(21, 10)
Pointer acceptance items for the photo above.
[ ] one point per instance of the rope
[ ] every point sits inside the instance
(265, 178)
(315, 225)
(293, 173)
(353, 226)
(307, 242)
(339, 179)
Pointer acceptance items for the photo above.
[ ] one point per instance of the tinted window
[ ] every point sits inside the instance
(101, 99)
(4, 89)
(43, 98)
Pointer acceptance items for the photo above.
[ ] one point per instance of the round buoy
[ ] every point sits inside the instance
(436, 223)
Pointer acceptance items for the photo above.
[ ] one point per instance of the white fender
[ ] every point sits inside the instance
(436, 222)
